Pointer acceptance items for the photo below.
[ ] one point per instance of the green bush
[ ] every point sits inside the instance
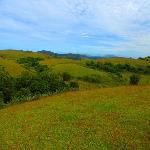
(33, 63)
(1, 98)
(41, 68)
(134, 79)
(23, 93)
(42, 83)
(92, 78)
(6, 85)
(74, 85)
(66, 76)
(31, 85)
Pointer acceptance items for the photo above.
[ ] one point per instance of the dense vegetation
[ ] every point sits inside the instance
(116, 68)
(33, 63)
(31, 85)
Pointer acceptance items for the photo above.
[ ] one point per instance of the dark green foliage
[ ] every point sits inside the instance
(22, 93)
(42, 83)
(1, 98)
(66, 76)
(74, 85)
(33, 63)
(6, 85)
(145, 58)
(119, 76)
(108, 66)
(134, 79)
(30, 61)
(118, 68)
(92, 78)
(29, 86)
(41, 68)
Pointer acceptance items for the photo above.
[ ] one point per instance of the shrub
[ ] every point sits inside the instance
(29, 86)
(74, 85)
(6, 85)
(134, 79)
(1, 98)
(66, 76)
(41, 68)
(31, 62)
(92, 78)
(22, 93)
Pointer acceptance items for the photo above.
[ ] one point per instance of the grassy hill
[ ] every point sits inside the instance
(77, 68)
(110, 118)
(8, 59)
(106, 112)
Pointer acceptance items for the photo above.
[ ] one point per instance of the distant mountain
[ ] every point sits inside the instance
(74, 56)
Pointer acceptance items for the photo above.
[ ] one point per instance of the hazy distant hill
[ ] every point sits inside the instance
(74, 56)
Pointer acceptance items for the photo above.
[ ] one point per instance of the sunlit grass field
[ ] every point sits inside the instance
(77, 70)
(108, 118)
(8, 59)
(11, 66)
(14, 54)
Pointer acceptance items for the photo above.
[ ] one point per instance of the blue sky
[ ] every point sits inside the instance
(96, 27)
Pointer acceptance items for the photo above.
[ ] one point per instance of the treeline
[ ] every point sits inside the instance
(116, 68)
(145, 58)
(31, 85)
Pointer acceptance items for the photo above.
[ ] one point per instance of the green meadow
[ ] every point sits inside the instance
(105, 113)
(109, 118)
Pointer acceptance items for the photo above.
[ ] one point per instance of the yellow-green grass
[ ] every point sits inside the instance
(8, 59)
(109, 118)
(121, 60)
(11, 66)
(77, 70)
(74, 67)
(15, 54)
(58, 60)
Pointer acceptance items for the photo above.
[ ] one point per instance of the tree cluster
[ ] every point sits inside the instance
(30, 85)
(115, 68)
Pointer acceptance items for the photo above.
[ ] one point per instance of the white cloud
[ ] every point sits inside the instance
(65, 19)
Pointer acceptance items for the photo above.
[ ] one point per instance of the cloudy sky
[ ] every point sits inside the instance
(96, 27)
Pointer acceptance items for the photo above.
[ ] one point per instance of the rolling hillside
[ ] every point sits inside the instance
(105, 112)
(110, 118)
(77, 68)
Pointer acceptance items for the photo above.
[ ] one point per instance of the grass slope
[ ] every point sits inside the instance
(109, 118)
(8, 60)
(11, 66)
(74, 67)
